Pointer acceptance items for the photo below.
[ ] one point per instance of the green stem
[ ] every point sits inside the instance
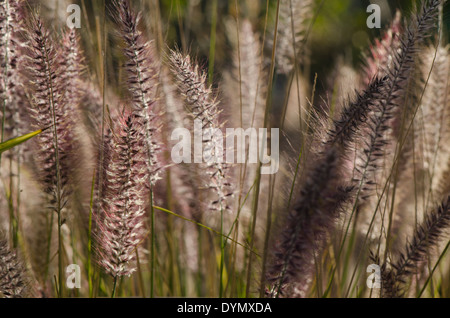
(222, 255)
(89, 260)
(113, 294)
(153, 238)
(212, 43)
(5, 88)
(58, 172)
(434, 268)
(258, 172)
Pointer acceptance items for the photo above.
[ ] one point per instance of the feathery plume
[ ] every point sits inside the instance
(295, 16)
(383, 92)
(433, 118)
(306, 228)
(182, 175)
(249, 78)
(72, 61)
(56, 147)
(425, 237)
(379, 102)
(250, 74)
(120, 220)
(91, 107)
(389, 99)
(199, 99)
(12, 94)
(143, 78)
(386, 90)
(13, 282)
(353, 115)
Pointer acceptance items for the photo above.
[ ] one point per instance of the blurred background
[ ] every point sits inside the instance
(336, 36)
(338, 29)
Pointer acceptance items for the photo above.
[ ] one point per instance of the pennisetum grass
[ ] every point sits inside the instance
(364, 158)
(295, 16)
(203, 105)
(56, 147)
(142, 77)
(425, 237)
(371, 113)
(13, 280)
(120, 222)
(12, 97)
(306, 227)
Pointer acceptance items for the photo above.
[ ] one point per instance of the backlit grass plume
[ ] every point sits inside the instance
(13, 282)
(432, 128)
(121, 217)
(386, 101)
(306, 228)
(72, 60)
(12, 93)
(203, 105)
(426, 236)
(295, 20)
(56, 147)
(142, 71)
(371, 114)
(250, 73)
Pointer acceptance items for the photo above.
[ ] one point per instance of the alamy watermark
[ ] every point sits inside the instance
(374, 279)
(74, 19)
(235, 150)
(74, 276)
(374, 20)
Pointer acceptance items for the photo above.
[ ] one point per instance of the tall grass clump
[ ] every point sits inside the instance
(132, 177)
(121, 218)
